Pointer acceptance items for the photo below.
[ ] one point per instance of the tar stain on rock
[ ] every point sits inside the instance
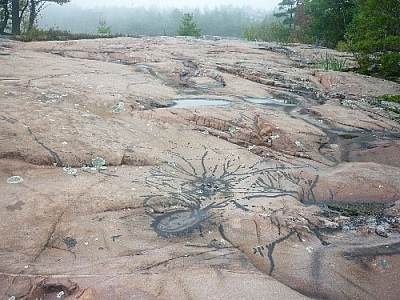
(16, 206)
(70, 242)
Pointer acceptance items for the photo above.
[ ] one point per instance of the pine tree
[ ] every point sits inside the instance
(288, 8)
(188, 27)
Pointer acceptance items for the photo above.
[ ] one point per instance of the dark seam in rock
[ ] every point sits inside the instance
(57, 159)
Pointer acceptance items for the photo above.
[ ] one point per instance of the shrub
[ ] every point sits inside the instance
(102, 28)
(36, 34)
(269, 32)
(390, 65)
(390, 98)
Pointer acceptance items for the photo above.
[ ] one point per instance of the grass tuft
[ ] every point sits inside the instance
(330, 62)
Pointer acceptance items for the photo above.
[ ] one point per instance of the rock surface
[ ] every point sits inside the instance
(290, 191)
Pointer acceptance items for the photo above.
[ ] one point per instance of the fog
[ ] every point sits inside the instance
(223, 20)
(267, 5)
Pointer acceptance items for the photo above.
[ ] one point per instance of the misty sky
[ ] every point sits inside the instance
(265, 4)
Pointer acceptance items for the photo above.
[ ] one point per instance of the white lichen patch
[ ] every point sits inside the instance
(310, 249)
(251, 147)
(52, 97)
(15, 179)
(274, 137)
(69, 170)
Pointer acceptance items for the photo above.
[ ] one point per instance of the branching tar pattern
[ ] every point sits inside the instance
(205, 181)
(271, 247)
(281, 180)
(192, 191)
(190, 188)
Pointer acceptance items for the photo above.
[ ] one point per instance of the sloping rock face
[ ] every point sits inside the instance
(270, 179)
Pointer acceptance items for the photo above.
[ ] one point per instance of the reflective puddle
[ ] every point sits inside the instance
(272, 101)
(198, 102)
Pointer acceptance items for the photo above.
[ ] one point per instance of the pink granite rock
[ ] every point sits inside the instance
(290, 190)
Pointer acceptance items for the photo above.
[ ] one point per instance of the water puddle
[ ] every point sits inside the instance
(272, 101)
(348, 136)
(357, 136)
(184, 103)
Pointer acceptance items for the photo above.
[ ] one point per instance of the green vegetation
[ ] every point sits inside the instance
(188, 26)
(390, 98)
(390, 103)
(368, 28)
(102, 28)
(374, 36)
(36, 34)
(330, 62)
(268, 31)
(328, 20)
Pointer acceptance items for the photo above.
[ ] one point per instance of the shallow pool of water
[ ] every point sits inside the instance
(271, 101)
(198, 102)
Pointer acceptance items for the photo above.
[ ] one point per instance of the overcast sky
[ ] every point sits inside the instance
(265, 4)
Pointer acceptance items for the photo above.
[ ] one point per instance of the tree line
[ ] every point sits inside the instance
(368, 28)
(225, 20)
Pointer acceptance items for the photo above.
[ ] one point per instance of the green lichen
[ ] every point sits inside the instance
(98, 162)
(117, 107)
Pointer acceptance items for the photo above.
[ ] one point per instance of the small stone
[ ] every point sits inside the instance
(380, 230)
(60, 294)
